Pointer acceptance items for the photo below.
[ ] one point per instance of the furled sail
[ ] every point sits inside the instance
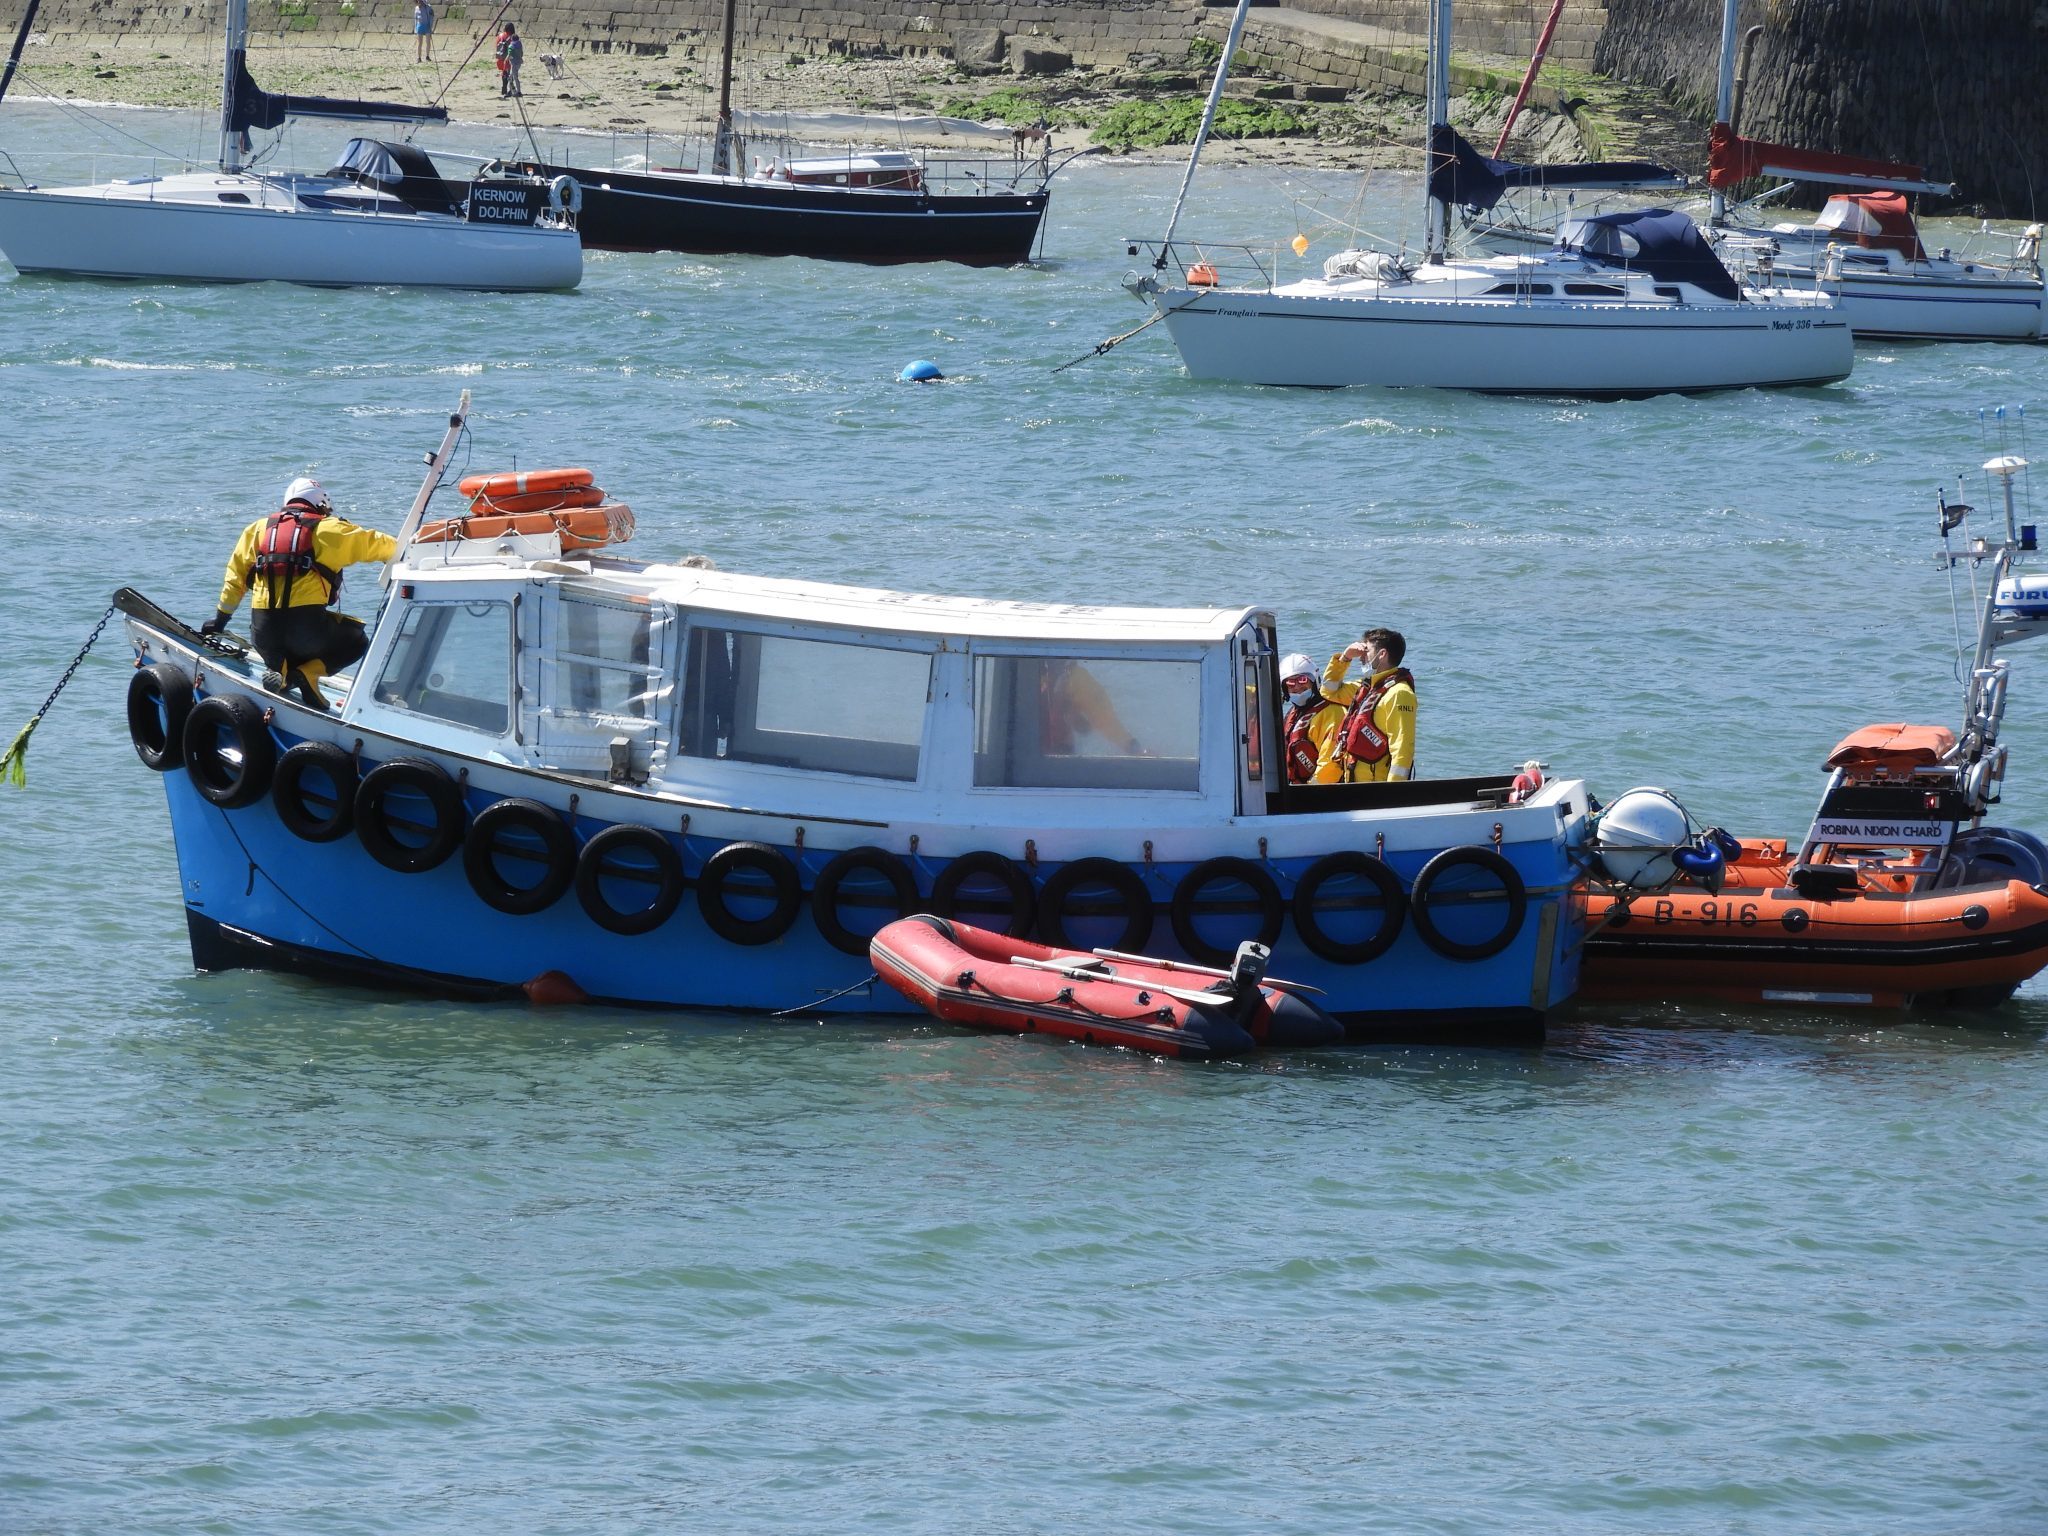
(1732, 160)
(1461, 175)
(251, 106)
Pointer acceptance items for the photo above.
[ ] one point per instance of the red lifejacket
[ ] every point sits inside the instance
(1363, 739)
(284, 553)
(1301, 747)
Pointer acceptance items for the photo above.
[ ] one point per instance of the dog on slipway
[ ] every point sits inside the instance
(553, 64)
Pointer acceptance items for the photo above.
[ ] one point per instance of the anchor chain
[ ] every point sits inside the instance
(13, 768)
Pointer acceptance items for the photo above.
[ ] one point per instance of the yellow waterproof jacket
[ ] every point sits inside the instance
(336, 543)
(1394, 716)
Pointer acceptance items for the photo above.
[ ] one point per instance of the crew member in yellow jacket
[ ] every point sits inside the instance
(1314, 725)
(290, 563)
(1379, 728)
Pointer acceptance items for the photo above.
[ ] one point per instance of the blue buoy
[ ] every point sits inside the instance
(920, 372)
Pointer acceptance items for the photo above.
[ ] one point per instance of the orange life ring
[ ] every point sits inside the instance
(510, 483)
(580, 527)
(1202, 275)
(538, 501)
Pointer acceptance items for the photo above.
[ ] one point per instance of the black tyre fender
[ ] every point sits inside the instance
(229, 781)
(373, 825)
(782, 877)
(159, 699)
(1137, 901)
(288, 794)
(1420, 899)
(986, 864)
(1188, 894)
(825, 894)
(1332, 866)
(668, 876)
(558, 856)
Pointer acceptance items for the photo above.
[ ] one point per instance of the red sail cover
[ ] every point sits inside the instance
(1878, 221)
(1731, 160)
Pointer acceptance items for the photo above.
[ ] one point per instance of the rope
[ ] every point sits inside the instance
(1104, 346)
(13, 768)
(831, 997)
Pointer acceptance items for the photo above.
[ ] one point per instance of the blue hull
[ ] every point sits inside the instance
(260, 897)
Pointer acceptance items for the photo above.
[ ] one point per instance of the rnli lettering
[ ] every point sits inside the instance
(1880, 832)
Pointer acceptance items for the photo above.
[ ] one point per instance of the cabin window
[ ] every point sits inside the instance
(605, 660)
(1254, 719)
(453, 662)
(1595, 291)
(1512, 290)
(1057, 722)
(1668, 293)
(824, 705)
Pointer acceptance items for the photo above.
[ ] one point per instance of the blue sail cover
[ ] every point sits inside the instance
(1459, 174)
(253, 107)
(1660, 241)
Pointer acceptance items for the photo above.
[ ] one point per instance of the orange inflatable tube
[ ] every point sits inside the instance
(520, 482)
(1872, 941)
(579, 527)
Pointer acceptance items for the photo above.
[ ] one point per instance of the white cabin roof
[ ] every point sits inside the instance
(875, 608)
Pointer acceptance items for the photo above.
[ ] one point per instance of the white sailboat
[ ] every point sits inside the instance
(1623, 304)
(382, 215)
(1865, 242)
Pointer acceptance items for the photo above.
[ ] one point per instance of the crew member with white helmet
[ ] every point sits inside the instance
(290, 563)
(1315, 725)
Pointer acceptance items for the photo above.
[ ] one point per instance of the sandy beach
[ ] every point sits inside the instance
(676, 94)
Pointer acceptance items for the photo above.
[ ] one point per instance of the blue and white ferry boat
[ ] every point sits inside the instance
(664, 784)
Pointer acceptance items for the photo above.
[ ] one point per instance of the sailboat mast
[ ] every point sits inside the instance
(28, 20)
(1724, 99)
(237, 42)
(1202, 132)
(723, 148)
(1437, 109)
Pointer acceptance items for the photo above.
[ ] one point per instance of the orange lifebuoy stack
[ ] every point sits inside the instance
(534, 490)
(567, 502)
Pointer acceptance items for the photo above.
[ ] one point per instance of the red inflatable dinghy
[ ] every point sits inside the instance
(967, 975)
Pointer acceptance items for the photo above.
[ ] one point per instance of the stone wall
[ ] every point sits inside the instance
(1956, 87)
(1505, 29)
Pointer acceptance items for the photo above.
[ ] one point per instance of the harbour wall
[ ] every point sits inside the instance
(1955, 87)
(1951, 86)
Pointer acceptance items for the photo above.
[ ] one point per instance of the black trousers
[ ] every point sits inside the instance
(287, 637)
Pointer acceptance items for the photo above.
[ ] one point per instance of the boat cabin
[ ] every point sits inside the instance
(800, 695)
(886, 170)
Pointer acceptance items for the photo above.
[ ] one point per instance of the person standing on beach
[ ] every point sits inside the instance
(423, 32)
(510, 52)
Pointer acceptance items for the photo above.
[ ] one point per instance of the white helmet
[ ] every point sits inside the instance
(310, 491)
(1296, 665)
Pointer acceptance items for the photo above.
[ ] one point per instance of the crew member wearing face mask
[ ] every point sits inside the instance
(1315, 725)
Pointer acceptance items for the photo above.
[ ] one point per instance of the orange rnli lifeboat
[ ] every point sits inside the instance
(971, 976)
(1898, 895)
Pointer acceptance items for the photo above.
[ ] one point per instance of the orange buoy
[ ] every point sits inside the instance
(1202, 275)
(579, 527)
(554, 988)
(518, 483)
(538, 501)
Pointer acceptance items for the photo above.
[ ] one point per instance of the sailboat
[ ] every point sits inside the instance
(1623, 304)
(1865, 241)
(857, 205)
(382, 215)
